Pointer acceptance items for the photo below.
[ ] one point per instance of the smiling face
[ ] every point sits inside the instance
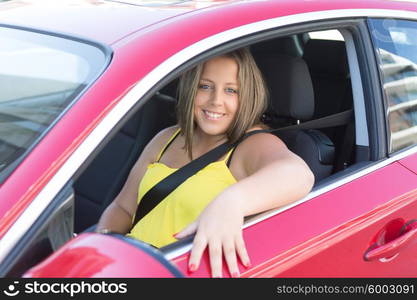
(220, 98)
(216, 102)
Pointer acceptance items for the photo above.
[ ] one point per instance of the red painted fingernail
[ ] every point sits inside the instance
(235, 274)
(248, 264)
(192, 268)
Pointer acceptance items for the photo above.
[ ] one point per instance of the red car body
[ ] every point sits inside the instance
(358, 225)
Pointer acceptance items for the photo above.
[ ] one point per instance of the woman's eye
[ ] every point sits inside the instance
(231, 91)
(204, 86)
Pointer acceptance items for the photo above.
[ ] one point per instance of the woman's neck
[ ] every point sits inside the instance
(203, 142)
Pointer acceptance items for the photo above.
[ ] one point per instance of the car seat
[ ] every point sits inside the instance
(329, 70)
(292, 101)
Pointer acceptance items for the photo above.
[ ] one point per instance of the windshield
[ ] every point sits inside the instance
(40, 76)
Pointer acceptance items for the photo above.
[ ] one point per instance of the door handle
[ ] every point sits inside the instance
(393, 247)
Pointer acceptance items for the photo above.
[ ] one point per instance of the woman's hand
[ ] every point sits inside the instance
(266, 161)
(219, 227)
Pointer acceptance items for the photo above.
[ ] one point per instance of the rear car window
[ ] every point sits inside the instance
(40, 76)
(396, 41)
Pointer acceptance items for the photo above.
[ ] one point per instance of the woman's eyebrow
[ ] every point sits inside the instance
(227, 83)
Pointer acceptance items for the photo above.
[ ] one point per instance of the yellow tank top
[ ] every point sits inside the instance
(183, 205)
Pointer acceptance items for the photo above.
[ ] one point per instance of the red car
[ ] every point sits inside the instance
(84, 85)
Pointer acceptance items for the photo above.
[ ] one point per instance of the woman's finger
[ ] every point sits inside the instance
(199, 244)
(242, 252)
(215, 252)
(190, 229)
(229, 252)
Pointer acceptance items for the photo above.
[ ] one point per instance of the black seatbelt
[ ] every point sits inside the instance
(334, 120)
(163, 188)
(346, 149)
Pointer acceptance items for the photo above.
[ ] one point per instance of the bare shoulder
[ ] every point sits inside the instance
(154, 146)
(158, 141)
(261, 144)
(259, 150)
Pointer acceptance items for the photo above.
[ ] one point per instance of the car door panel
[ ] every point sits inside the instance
(362, 208)
(340, 252)
(311, 234)
(410, 162)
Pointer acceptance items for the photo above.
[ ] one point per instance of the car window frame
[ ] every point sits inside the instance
(357, 31)
(353, 26)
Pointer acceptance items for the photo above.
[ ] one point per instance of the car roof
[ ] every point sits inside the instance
(101, 20)
(108, 21)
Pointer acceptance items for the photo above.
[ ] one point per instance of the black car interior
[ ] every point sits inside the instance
(100, 183)
(307, 79)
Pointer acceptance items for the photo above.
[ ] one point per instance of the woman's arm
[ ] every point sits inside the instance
(273, 177)
(119, 214)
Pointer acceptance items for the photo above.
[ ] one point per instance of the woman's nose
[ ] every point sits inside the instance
(216, 97)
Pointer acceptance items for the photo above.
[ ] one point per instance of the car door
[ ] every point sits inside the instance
(366, 226)
(329, 235)
(362, 223)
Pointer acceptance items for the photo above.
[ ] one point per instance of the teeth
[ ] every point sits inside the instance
(213, 114)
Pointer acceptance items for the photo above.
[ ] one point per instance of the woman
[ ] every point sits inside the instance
(219, 101)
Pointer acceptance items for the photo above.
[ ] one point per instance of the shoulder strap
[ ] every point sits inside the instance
(229, 158)
(168, 143)
(162, 189)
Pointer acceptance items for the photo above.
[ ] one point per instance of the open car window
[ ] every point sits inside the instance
(325, 60)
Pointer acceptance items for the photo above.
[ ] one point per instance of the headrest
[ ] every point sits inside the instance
(291, 91)
(326, 57)
(284, 45)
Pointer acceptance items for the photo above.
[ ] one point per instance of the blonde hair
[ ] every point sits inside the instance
(252, 98)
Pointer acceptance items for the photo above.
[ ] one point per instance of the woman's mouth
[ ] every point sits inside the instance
(212, 115)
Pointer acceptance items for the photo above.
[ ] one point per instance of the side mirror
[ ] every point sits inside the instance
(105, 255)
